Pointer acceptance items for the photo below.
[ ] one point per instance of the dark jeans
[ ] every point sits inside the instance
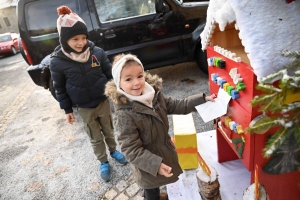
(152, 194)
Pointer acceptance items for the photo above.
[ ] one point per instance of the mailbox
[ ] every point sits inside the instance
(230, 69)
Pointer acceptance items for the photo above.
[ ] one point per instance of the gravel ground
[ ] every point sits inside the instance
(42, 157)
(180, 81)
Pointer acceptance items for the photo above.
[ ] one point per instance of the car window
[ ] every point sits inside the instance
(5, 38)
(41, 16)
(113, 10)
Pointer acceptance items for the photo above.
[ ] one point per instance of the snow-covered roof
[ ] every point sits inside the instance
(266, 28)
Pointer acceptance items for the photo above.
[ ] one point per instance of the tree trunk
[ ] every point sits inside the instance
(209, 187)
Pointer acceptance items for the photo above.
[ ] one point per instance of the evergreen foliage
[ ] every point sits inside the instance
(283, 116)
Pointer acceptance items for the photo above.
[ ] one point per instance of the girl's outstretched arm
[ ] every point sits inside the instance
(209, 98)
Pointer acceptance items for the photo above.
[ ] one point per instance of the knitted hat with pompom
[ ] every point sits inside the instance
(69, 24)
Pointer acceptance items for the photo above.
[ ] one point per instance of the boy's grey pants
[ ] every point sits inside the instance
(98, 125)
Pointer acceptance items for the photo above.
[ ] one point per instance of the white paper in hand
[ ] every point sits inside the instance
(212, 110)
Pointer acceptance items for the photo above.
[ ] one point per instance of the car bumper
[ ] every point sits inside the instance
(5, 51)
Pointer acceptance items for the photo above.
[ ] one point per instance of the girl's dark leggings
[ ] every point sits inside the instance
(152, 194)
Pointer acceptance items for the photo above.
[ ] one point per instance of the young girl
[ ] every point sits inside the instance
(142, 124)
(80, 71)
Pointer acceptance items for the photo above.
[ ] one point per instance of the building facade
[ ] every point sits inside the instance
(8, 16)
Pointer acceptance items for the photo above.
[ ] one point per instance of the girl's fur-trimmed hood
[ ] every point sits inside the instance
(111, 89)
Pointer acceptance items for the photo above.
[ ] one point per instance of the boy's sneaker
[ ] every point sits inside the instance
(119, 157)
(105, 171)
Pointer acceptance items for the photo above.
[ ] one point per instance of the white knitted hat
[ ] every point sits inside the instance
(118, 66)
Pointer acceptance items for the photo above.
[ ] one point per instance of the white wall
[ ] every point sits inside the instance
(10, 13)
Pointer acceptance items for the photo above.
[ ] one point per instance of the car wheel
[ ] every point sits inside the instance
(51, 88)
(201, 59)
(13, 50)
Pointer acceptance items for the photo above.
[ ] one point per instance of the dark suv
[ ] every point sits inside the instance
(159, 32)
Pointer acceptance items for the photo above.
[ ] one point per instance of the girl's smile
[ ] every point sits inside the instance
(132, 79)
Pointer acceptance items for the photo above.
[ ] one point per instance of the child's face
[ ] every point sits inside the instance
(77, 42)
(132, 79)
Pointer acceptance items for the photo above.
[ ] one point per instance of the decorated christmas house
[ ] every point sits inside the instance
(247, 43)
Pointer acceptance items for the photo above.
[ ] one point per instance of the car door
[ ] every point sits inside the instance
(133, 26)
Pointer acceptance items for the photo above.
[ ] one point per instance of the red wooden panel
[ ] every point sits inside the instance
(279, 186)
(246, 73)
(225, 151)
(241, 117)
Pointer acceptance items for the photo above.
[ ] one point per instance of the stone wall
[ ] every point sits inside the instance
(11, 15)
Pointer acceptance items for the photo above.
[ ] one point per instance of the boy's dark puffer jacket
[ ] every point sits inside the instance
(78, 83)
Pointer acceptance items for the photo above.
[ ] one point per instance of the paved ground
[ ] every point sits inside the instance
(42, 157)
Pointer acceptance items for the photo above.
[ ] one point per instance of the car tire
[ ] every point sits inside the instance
(51, 88)
(201, 59)
(13, 50)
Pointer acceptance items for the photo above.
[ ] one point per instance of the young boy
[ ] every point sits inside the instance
(80, 71)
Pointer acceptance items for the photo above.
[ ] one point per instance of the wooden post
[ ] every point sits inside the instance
(209, 187)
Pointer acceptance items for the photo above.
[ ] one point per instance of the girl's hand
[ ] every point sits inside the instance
(165, 170)
(70, 118)
(209, 98)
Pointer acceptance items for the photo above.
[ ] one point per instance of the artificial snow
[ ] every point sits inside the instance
(266, 29)
(291, 106)
(207, 178)
(249, 194)
(289, 124)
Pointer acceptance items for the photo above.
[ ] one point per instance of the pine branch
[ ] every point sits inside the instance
(288, 53)
(292, 107)
(272, 106)
(263, 124)
(269, 102)
(297, 135)
(268, 88)
(292, 90)
(286, 115)
(263, 99)
(275, 76)
(295, 116)
(275, 141)
(289, 82)
(295, 64)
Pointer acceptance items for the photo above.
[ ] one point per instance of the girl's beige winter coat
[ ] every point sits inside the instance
(143, 132)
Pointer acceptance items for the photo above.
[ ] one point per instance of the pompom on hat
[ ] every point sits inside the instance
(69, 24)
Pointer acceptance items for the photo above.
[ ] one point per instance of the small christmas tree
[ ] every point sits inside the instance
(283, 116)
